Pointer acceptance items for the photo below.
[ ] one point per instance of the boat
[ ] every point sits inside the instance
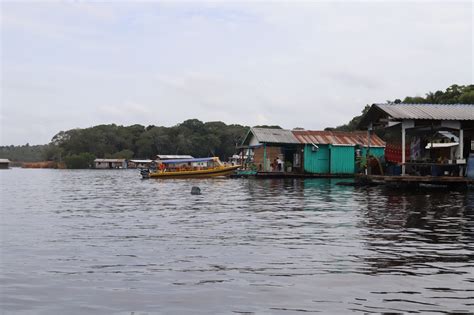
(188, 168)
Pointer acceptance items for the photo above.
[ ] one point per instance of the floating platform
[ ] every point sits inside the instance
(410, 180)
(291, 175)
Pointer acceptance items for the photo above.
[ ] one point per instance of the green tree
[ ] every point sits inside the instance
(124, 154)
(78, 161)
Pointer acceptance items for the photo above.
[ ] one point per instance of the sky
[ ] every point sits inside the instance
(76, 64)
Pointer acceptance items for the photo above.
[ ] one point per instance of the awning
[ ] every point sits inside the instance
(441, 145)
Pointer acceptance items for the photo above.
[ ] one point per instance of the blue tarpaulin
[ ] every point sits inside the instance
(187, 160)
(470, 167)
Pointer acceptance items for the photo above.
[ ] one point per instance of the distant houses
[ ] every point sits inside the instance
(134, 163)
(110, 163)
(4, 164)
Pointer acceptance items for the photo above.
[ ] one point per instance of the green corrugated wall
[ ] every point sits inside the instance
(342, 160)
(377, 152)
(334, 159)
(316, 161)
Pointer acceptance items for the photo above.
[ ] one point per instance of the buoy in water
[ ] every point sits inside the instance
(195, 190)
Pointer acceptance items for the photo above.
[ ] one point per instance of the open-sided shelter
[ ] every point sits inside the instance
(411, 129)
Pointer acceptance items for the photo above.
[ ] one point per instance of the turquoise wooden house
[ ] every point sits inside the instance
(333, 152)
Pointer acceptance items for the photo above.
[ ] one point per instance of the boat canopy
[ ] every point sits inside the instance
(189, 160)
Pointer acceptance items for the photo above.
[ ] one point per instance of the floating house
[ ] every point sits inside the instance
(139, 163)
(110, 163)
(425, 142)
(309, 152)
(265, 145)
(4, 164)
(335, 152)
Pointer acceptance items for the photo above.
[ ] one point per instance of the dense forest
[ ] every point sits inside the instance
(79, 147)
(24, 153)
(455, 94)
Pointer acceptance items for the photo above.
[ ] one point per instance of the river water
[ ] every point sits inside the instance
(107, 242)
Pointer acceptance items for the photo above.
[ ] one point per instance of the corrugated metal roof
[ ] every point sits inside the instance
(337, 138)
(267, 135)
(429, 111)
(4, 161)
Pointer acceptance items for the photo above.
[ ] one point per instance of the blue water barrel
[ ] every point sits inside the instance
(470, 166)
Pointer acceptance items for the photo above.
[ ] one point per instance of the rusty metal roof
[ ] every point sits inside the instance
(270, 135)
(338, 138)
(429, 111)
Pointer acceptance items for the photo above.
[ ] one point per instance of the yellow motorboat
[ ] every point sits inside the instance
(188, 168)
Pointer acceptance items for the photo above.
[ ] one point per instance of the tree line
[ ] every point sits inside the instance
(24, 153)
(79, 147)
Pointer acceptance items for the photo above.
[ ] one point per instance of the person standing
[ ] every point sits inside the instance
(279, 164)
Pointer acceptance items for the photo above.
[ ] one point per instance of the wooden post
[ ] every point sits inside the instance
(264, 157)
(403, 148)
(461, 150)
(367, 155)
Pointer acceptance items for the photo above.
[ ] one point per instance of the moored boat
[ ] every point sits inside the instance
(189, 168)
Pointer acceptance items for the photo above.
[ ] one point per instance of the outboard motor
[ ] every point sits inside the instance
(145, 173)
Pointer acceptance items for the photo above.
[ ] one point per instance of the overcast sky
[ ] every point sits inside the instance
(311, 64)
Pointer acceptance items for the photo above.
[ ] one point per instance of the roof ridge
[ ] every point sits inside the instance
(423, 104)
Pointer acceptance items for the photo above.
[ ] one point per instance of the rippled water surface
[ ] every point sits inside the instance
(75, 242)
